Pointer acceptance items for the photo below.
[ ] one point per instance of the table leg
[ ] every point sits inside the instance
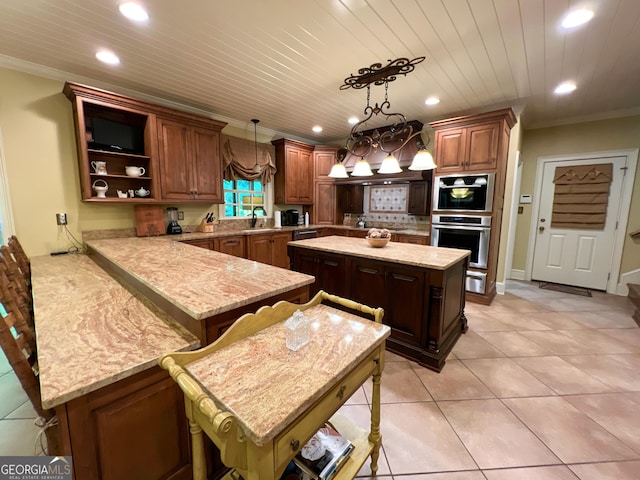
(374, 435)
(197, 446)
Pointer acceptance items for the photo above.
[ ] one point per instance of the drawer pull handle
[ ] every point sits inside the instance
(340, 393)
(295, 444)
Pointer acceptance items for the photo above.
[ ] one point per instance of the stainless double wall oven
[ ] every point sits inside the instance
(462, 219)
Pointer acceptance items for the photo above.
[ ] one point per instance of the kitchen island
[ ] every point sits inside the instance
(421, 289)
(205, 291)
(119, 414)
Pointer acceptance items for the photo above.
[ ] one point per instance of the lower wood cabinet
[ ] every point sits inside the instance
(361, 233)
(135, 428)
(231, 245)
(408, 238)
(201, 242)
(269, 248)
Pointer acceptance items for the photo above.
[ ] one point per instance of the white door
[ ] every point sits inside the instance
(569, 256)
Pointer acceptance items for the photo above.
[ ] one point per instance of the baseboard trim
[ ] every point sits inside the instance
(501, 288)
(630, 277)
(517, 274)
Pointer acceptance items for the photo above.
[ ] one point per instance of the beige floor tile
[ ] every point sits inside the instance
(608, 471)
(521, 321)
(418, 439)
(557, 321)
(17, 437)
(521, 305)
(471, 475)
(472, 345)
(393, 357)
(562, 377)
(454, 382)
(5, 366)
(490, 431)
(599, 342)
(24, 411)
(635, 396)
(556, 472)
(399, 384)
(11, 393)
(505, 378)
(619, 371)
(615, 412)
(568, 432)
(630, 336)
(512, 344)
(603, 319)
(479, 322)
(361, 416)
(558, 343)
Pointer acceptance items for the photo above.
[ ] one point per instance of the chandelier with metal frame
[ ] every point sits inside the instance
(392, 138)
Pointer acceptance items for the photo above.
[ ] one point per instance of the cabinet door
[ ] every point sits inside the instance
(404, 315)
(231, 246)
(483, 147)
(292, 164)
(360, 233)
(206, 172)
(174, 151)
(202, 243)
(323, 161)
(304, 172)
(280, 257)
(450, 150)
(367, 284)
(419, 198)
(324, 206)
(259, 248)
(405, 238)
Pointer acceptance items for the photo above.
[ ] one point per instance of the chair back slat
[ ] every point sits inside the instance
(21, 257)
(15, 303)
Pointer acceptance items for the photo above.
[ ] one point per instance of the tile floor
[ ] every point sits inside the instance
(544, 386)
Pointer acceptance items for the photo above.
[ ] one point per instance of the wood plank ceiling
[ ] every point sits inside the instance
(283, 61)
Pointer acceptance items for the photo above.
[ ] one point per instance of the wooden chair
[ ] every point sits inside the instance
(15, 302)
(20, 257)
(16, 277)
(19, 348)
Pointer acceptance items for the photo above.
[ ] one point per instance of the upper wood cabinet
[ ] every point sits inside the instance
(323, 211)
(471, 143)
(175, 154)
(349, 199)
(419, 198)
(324, 158)
(190, 161)
(295, 172)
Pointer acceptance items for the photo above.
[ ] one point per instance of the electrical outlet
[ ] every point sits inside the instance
(180, 215)
(61, 218)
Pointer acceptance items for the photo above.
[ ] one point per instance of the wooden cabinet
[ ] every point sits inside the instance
(359, 233)
(176, 155)
(324, 207)
(231, 245)
(472, 143)
(349, 199)
(419, 198)
(113, 132)
(135, 428)
(190, 162)
(409, 238)
(294, 179)
(269, 248)
(207, 243)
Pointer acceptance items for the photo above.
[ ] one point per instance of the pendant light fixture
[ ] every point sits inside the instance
(256, 168)
(338, 170)
(360, 142)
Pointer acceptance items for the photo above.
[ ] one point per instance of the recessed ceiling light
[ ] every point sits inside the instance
(108, 57)
(317, 129)
(134, 11)
(577, 17)
(353, 120)
(564, 88)
(432, 101)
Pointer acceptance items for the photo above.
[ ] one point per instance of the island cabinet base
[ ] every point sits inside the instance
(424, 307)
(134, 428)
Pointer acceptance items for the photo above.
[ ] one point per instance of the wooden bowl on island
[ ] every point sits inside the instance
(378, 242)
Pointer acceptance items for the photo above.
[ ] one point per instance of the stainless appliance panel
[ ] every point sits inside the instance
(476, 282)
(464, 192)
(461, 233)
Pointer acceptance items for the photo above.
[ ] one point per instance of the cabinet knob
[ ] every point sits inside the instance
(295, 444)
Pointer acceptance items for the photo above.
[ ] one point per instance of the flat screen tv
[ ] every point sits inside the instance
(116, 137)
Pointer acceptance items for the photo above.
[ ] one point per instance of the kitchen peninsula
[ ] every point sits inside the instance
(205, 291)
(421, 289)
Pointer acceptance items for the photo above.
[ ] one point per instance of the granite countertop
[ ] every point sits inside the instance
(424, 256)
(92, 331)
(200, 282)
(266, 385)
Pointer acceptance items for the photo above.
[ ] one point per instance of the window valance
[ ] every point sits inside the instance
(239, 156)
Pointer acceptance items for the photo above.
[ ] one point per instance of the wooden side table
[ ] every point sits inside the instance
(260, 402)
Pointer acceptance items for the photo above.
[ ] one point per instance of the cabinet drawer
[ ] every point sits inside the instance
(289, 442)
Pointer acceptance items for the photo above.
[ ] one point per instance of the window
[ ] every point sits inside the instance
(242, 196)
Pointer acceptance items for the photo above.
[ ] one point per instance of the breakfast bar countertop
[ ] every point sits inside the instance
(199, 282)
(423, 256)
(92, 331)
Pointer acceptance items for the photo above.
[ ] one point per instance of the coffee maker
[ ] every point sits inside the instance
(173, 228)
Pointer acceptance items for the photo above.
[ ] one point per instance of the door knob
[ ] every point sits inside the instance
(541, 229)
